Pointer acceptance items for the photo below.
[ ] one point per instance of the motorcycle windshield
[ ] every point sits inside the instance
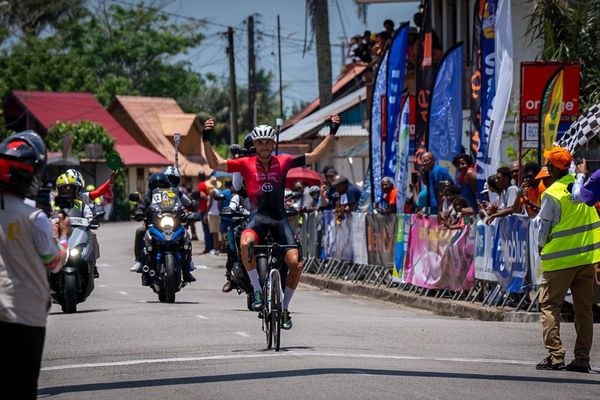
(165, 200)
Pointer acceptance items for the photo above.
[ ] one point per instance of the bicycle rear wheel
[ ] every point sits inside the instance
(266, 314)
(275, 309)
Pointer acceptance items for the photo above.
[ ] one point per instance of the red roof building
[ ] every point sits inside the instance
(40, 110)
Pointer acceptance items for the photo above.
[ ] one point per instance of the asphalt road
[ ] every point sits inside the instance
(123, 344)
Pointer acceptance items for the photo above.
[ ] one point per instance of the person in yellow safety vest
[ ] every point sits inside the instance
(569, 241)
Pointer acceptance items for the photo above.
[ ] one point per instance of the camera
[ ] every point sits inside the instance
(238, 151)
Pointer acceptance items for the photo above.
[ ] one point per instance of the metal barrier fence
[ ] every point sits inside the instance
(314, 231)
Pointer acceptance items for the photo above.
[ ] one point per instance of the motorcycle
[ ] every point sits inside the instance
(238, 275)
(75, 281)
(166, 250)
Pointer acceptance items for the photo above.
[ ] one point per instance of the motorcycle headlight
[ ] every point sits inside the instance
(166, 224)
(74, 252)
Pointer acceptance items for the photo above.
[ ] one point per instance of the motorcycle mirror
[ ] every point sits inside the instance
(94, 224)
(220, 197)
(134, 197)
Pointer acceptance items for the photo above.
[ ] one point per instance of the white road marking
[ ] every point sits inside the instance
(201, 316)
(123, 293)
(103, 265)
(102, 286)
(202, 267)
(289, 354)
(242, 334)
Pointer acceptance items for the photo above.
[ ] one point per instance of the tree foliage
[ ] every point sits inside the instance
(82, 133)
(570, 31)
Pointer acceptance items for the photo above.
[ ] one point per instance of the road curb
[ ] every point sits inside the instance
(445, 307)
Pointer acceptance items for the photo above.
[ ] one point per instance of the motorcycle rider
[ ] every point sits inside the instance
(156, 181)
(30, 246)
(264, 176)
(71, 195)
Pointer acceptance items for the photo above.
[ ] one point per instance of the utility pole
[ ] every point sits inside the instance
(233, 106)
(280, 78)
(251, 116)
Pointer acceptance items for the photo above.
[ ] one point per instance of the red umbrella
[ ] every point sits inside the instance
(304, 174)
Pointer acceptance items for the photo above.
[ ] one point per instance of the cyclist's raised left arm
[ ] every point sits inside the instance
(319, 151)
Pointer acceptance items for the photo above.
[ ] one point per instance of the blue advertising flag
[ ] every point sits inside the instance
(488, 87)
(401, 176)
(379, 92)
(445, 116)
(395, 83)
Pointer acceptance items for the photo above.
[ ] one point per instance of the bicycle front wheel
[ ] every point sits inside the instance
(275, 306)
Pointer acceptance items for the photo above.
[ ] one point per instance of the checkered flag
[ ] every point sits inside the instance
(581, 131)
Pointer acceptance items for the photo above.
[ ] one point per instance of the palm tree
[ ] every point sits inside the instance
(319, 17)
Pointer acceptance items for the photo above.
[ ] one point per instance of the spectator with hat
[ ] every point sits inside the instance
(348, 195)
(328, 193)
(569, 246)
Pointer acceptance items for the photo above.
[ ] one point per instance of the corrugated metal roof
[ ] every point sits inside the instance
(314, 120)
(146, 113)
(343, 81)
(346, 131)
(49, 108)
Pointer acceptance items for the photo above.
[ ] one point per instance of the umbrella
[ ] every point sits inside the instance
(304, 174)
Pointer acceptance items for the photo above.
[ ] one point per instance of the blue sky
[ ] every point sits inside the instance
(299, 72)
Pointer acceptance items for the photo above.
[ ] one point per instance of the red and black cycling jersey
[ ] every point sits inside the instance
(266, 187)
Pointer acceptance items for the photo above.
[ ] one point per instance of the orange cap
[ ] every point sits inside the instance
(543, 173)
(559, 157)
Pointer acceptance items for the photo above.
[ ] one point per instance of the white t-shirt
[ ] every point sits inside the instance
(508, 197)
(214, 205)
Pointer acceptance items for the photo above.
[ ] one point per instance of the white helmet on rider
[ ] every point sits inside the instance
(263, 132)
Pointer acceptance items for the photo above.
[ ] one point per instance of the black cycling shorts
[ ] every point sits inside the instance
(280, 229)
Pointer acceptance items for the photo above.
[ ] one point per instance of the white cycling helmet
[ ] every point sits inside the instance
(263, 132)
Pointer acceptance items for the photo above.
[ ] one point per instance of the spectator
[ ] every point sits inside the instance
(299, 187)
(348, 195)
(328, 195)
(466, 178)
(30, 247)
(508, 196)
(588, 192)
(448, 193)
(431, 176)
(390, 197)
(107, 203)
(388, 25)
(457, 218)
(412, 50)
(490, 193)
(204, 192)
(569, 261)
(315, 202)
(532, 188)
(514, 173)
(382, 42)
(213, 219)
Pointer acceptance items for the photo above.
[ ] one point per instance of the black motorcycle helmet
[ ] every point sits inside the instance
(248, 144)
(173, 175)
(22, 163)
(158, 181)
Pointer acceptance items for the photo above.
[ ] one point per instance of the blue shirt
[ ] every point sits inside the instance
(436, 175)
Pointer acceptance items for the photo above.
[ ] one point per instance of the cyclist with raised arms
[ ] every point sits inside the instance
(264, 175)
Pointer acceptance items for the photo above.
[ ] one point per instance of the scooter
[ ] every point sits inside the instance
(75, 281)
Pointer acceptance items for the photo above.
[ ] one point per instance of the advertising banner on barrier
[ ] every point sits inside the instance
(359, 233)
(403, 231)
(535, 263)
(328, 226)
(343, 238)
(381, 231)
(484, 241)
(458, 261)
(426, 246)
(510, 256)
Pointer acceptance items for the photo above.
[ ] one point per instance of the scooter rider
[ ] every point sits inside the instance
(155, 181)
(264, 175)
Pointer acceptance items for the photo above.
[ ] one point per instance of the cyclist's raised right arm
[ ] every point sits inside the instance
(215, 161)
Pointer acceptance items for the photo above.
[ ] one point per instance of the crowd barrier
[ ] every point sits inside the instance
(496, 265)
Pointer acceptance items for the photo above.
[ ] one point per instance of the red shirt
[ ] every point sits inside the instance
(266, 187)
(203, 206)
